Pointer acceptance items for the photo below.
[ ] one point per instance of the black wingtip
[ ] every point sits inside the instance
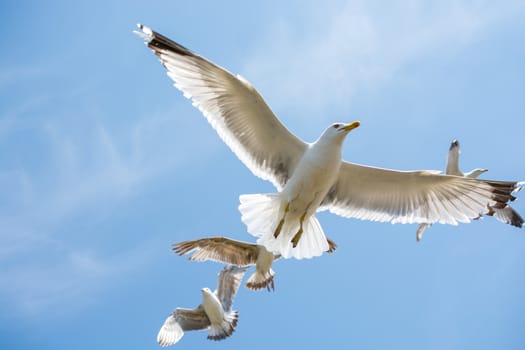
(158, 42)
(506, 215)
(515, 219)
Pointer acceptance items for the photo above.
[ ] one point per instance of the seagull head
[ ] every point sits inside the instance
(209, 297)
(454, 149)
(338, 131)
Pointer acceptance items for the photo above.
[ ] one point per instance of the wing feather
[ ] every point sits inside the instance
(376, 194)
(191, 319)
(178, 322)
(219, 249)
(228, 283)
(508, 215)
(233, 107)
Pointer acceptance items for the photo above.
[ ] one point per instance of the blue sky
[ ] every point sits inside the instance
(104, 165)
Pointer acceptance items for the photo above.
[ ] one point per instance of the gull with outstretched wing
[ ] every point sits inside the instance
(231, 251)
(312, 176)
(214, 313)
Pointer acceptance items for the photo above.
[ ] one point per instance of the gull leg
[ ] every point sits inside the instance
(420, 231)
(331, 245)
(281, 223)
(297, 237)
(299, 233)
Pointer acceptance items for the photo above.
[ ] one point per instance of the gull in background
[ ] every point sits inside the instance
(312, 176)
(230, 251)
(506, 215)
(215, 313)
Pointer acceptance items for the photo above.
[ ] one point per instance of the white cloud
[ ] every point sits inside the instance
(357, 46)
(58, 171)
(71, 280)
(83, 177)
(85, 167)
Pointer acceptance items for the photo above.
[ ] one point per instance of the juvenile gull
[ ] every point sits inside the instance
(214, 313)
(312, 176)
(506, 215)
(230, 251)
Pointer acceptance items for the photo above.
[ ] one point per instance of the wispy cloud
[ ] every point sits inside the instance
(356, 46)
(71, 280)
(56, 172)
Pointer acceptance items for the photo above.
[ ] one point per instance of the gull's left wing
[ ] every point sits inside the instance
(409, 197)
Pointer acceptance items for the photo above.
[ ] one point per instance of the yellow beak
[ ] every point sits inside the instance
(351, 126)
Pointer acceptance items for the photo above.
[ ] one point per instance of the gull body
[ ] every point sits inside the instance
(317, 170)
(213, 308)
(234, 252)
(214, 313)
(506, 215)
(312, 177)
(295, 205)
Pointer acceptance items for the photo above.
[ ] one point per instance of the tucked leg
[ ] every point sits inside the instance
(420, 231)
(299, 233)
(281, 222)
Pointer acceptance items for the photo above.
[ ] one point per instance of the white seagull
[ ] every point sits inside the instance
(312, 176)
(215, 313)
(230, 251)
(506, 215)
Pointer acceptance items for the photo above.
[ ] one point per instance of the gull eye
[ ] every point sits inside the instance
(336, 126)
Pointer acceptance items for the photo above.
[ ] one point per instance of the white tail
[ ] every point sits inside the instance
(262, 212)
(225, 328)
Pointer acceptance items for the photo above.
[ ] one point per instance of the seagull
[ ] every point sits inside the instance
(506, 215)
(243, 254)
(214, 313)
(311, 177)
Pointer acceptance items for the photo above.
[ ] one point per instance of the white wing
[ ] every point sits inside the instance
(228, 283)
(233, 107)
(170, 332)
(408, 197)
(179, 321)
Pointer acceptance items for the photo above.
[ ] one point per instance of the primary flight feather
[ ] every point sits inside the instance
(506, 214)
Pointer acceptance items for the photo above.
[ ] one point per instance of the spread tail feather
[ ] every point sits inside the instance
(260, 280)
(259, 212)
(262, 212)
(226, 328)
